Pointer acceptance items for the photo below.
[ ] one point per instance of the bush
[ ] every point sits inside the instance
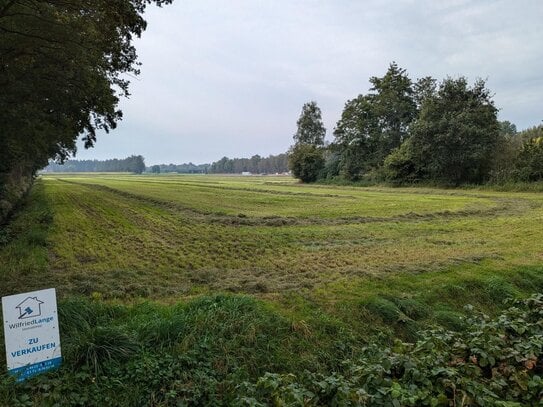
(529, 165)
(306, 161)
(492, 362)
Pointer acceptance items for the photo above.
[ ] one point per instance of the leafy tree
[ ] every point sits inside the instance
(529, 164)
(306, 157)
(506, 153)
(400, 166)
(373, 125)
(508, 129)
(531, 133)
(310, 127)
(424, 88)
(155, 169)
(306, 161)
(456, 134)
(395, 108)
(138, 164)
(63, 68)
(355, 137)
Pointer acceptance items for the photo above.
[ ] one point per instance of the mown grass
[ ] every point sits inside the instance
(243, 276)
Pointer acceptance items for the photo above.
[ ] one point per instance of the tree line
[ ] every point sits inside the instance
(405, 131)
(186, 168)
(63, 69)
(134, 164)
(256, 165)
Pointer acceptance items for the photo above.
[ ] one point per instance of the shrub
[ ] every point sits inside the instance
(492, 362)
(306, 161)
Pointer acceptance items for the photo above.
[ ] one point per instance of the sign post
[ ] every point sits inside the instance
(31, 333)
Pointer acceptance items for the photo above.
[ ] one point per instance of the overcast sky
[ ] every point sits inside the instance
(229, 78)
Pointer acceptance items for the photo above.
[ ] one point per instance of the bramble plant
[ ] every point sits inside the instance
(494, 361)
(167, 357)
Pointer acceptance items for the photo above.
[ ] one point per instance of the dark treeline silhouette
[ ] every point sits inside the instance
(187, 168)
(256, 165)
(134, 163)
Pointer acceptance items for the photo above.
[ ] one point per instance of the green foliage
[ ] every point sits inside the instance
(529, 163)
(306, 161)
(400, 166)
(310, 129)
(455, 137)
(373, 125)
(495, 361)
(134, 163)
(232, 350)
(354, 138)
(63, 69)
(255, 165)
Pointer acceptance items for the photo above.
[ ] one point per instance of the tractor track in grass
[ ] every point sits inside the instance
(504, 206)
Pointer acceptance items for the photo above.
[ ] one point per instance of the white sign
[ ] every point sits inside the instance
(31, 333)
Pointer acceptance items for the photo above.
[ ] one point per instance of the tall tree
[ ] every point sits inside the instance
(355, 139)
(310, 129)
(63, 68)
(373, 125)
(306, 157)
(394, 106)
(456, 135)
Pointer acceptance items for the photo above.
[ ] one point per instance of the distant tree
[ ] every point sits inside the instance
(531, 133)
(306, 157)
(528, 163)
(310, 129)
(306, 161)
(505, 155)
(456, 134)
(155, 169)
(138, 164)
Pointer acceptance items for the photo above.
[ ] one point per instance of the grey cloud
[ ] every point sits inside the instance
(229, 78)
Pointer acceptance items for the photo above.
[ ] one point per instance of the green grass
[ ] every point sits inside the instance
(258, 274)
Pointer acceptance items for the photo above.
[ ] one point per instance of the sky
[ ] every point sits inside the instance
(229, 78)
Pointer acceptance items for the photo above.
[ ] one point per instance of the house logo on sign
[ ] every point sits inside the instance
(29, 308)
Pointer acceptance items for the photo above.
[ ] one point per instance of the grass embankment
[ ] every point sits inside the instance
(313, 273)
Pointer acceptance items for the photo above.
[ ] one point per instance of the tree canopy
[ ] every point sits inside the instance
(406, 131)
(372, 125)
(454, 138)
(306, 157)
(310, 129)
(63, 67)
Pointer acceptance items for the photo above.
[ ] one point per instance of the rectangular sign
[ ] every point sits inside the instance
(31, 333)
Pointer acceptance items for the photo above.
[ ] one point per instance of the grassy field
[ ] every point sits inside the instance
(327, 267)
